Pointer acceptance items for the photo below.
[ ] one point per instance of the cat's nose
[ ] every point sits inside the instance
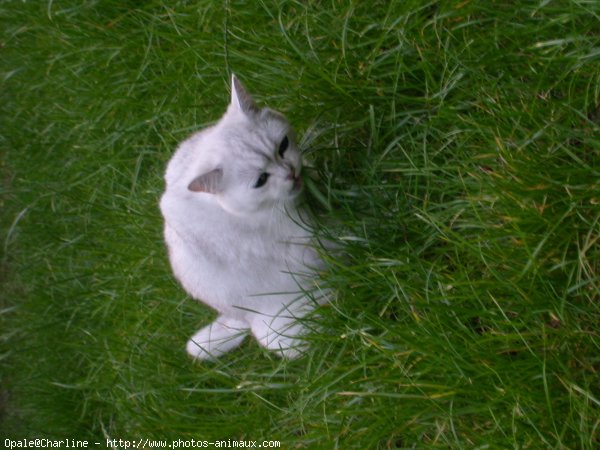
(292, 173)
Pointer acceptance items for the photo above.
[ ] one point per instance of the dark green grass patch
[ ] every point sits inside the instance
(454, 156)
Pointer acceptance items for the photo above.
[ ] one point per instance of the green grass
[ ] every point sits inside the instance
(455, 148)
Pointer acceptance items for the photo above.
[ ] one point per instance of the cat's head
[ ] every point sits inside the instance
(256, 163)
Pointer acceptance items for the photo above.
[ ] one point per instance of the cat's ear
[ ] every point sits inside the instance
(240, 99)
(209, 182)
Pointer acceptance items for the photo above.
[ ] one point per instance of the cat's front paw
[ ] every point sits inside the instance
(284, 346)
(216, 339)
(283, 336)
(291, 350)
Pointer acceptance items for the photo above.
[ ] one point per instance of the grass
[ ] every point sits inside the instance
(455, 148)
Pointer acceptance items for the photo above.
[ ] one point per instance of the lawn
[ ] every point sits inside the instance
(455, 158)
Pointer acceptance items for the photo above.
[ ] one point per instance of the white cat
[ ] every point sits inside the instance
(237, 240)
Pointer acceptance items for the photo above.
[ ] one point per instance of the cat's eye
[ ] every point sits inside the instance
(283, 146)
(261, 180)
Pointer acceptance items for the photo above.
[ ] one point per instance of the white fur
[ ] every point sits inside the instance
(244, 251)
